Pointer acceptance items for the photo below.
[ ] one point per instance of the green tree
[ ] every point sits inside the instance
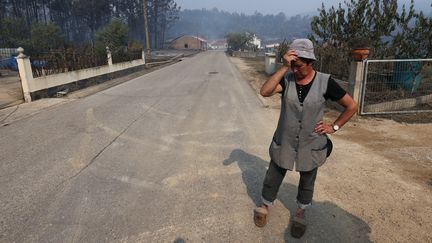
(114, 36)
(240, 41)
(46, 37)
(92, 14)
(420, 34)
(388, 30)
(162, 14)
(79, 20)
(360, 21)
(14, 33)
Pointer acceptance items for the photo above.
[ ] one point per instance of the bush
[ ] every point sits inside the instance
(46, 37)
(281, 50)
(114, 36)
(135, 46)
(14, 33)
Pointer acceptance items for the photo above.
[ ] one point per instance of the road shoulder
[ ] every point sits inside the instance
(380, 171)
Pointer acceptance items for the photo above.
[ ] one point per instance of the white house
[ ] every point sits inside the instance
(256, 41)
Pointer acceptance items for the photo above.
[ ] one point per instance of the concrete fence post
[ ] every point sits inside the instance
(270, 63)
(143, 56)
(109, 56)
(355, 81)
(26, 73)
(356, 74)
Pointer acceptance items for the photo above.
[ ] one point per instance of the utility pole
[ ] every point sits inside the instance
(146, 29)
(198, 40)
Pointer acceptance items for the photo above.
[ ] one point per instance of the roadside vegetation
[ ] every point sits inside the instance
(387, 29)
(60, 25)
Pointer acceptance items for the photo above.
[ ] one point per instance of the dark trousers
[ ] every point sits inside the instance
(276, 174)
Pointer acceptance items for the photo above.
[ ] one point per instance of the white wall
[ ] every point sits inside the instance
(54, 80)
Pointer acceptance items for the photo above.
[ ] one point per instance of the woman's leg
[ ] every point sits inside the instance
(306, 188)
(304, 199)
(272, 182)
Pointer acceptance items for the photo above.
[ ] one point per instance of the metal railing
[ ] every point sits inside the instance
(60, 62)
(54, 62)
(397, 86)
(126, 56)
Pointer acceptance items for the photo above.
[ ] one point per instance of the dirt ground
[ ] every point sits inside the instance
(10, 88)
(380, 170)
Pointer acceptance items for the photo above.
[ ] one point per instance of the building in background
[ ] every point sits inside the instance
(218, 44)
(256, 41)
(189, 42)
(271, 47)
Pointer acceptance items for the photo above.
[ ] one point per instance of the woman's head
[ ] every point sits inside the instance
(302, 67)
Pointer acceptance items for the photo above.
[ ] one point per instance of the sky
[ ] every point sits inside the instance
(288, 7)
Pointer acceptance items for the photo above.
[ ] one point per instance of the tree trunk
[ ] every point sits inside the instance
(155, 24)
(146, 29)
(164, 24)
(44, 6)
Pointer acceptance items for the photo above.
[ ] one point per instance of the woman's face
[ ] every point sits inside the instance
(300, 68)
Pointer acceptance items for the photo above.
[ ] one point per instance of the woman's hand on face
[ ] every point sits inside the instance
(289, 57)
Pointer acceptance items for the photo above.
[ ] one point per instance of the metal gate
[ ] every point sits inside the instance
(10, 83)
(396, 86)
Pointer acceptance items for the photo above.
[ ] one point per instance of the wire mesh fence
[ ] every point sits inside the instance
(7, 60)
(397, 86)
(8, 52)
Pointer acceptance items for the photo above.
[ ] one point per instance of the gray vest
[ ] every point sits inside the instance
(295, 142)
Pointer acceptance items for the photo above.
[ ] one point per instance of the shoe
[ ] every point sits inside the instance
(298, 227)
(260, 216)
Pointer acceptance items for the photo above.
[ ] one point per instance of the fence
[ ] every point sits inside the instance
(122, 56)
(396, 86)
(7, 59)
(246, 54)
(51, 74)
(55, 62)
(8, 52)
(60, 62)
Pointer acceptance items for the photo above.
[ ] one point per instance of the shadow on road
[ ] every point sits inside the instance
(327, 222)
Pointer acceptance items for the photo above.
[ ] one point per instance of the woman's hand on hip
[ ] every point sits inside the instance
(323, 128)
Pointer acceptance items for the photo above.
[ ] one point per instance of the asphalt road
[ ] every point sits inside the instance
(177, 155)
(161, 158)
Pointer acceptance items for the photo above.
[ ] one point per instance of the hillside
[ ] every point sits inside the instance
(215, 24)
